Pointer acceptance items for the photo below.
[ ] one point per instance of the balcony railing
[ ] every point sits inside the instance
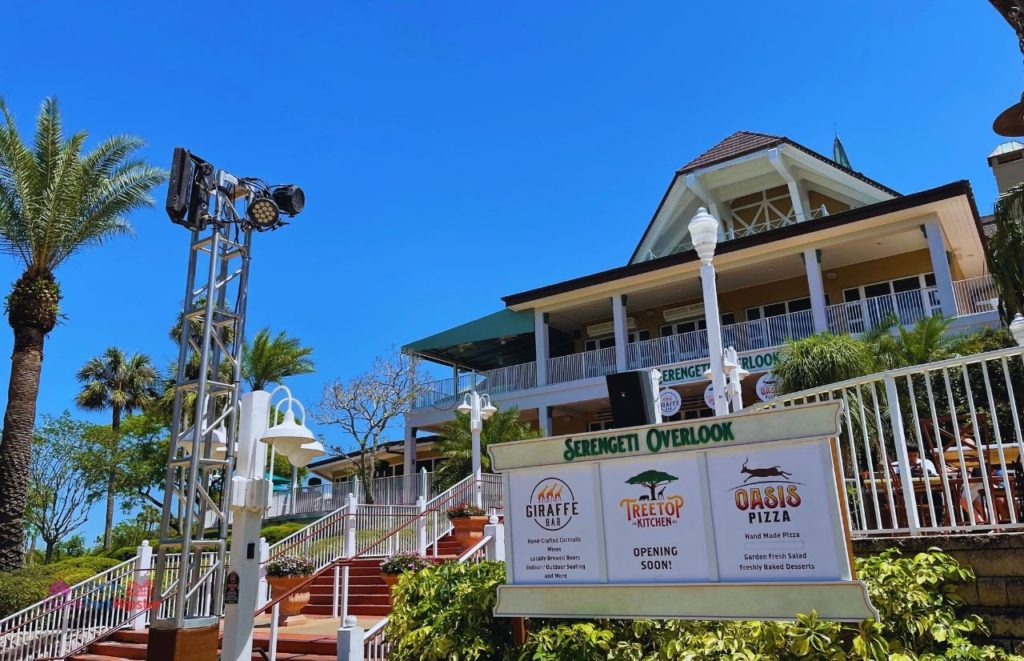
(327, 497)
(973, 296)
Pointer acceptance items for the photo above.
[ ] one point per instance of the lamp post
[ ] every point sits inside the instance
(736, 374)
(704, 236)
(1017, 329)
(250, 492)
(479, 408)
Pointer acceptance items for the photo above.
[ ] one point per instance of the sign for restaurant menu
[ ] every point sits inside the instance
(737, 517)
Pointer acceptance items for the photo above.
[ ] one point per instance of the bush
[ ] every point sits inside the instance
(277, 532)
(403, 562)
(445, 612)
(26, 586)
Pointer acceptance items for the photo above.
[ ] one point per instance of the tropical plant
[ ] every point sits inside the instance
(894, 345)
(1003, 251)
(288, 566)
(464, 511)
(403, 562)
(820, 360)
(55, 201)
(269, 360)
(456, 443)
(123, 384)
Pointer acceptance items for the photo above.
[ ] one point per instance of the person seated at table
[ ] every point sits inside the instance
(918, 464)
(973, 495)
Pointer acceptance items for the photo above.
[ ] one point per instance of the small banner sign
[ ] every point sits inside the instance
(737, 517)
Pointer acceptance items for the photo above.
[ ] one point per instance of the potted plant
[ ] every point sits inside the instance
(284, 574)
(468, 521)
(391, 568)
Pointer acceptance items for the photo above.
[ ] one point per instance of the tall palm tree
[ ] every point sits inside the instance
(123, 384)
(269, 360)
(456, 443)
(55, 201)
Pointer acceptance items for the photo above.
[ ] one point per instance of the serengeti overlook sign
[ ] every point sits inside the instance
(728, 518)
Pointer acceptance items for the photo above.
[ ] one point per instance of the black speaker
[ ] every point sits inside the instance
(631, 396)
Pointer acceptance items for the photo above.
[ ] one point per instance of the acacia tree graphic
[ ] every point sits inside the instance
(652, 479)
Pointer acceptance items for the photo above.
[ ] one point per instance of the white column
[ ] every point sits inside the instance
(248, 501)
(544, 420)
(263, 596)
(817, 289)
(621, 335)
(139, 590)
(409, 463)
(940, 266)
(714, 323)
(542, 342)
(496, 531)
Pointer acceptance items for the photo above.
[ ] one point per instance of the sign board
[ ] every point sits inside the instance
(736, 517)
(231, 583)
(670, 402)
(767, 386)
(709, 396)
(693, 370)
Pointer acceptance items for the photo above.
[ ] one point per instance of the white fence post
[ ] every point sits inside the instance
(421, 526)
(902, 458)
(139, 588)
(350, 526)
(263, 594)
(350, 640)
(496, 531)
(424, 490)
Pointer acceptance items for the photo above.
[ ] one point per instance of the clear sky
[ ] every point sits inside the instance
(454, 152)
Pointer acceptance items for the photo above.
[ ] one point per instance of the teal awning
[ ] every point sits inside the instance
(501, 338)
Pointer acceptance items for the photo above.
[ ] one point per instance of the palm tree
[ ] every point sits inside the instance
(124, 385)
(820, 360)
(54, 202)
(267, 360)
(456, 443)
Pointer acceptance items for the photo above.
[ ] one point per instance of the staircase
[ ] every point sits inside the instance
(124, 645)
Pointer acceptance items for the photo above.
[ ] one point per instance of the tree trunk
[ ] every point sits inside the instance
(108, 522)
(50, 545)
(16, 445)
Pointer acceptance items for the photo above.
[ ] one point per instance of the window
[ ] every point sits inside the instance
(599, 425)
(690, 325)
(778, 309)
(608, 341)
(907, 299)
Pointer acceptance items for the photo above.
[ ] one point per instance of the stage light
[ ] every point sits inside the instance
(290, 199)
(263, 213)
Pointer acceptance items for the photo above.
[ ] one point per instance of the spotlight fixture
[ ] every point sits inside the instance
(290, 199)
(262, 212)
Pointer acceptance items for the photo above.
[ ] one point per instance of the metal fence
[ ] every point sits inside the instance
(932, 448)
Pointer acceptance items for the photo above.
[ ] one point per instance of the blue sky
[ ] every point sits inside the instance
(455, 152)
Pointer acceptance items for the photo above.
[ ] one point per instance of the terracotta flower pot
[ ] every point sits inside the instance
(390, 579)
(468, 530)
(294, 604)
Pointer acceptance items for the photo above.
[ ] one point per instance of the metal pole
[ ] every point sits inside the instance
(476, 425)
(714, 322)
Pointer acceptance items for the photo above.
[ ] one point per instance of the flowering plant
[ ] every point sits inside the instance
(402, 562)
(289, 566)
(465, 510)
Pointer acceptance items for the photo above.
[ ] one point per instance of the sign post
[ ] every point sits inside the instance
(735, 517)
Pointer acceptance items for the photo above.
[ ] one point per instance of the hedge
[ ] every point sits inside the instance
(23, 587)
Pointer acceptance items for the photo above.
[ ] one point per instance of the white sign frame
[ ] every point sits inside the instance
(817, 424)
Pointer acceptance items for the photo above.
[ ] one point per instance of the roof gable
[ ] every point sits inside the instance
(737, 144)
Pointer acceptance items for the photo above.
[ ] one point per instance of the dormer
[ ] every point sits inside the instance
(754, 183)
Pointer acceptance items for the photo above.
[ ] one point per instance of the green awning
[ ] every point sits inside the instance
(494, 340)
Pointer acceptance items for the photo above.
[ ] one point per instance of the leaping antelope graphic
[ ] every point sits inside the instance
(763, 472)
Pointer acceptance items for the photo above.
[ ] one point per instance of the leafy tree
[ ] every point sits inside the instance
(456, 444)
(652, 479)
(894, 345)
(1003, 251)
(269, 360)
(131, 532)
(367, 407)
(122, 384)
(55, 201)
(59, 496)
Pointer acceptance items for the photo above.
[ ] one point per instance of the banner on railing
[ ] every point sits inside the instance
(736, 517)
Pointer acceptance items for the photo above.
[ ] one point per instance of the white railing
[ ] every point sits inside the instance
(932, 448)
(444, 391)
(769, 331)
(667, 350)
(975, 295)
(327, 497)
(501, 379)
(577, 366)
(906, 308)
(81, 614)
(322, 541)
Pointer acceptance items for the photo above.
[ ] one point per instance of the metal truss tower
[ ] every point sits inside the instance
(212, 327)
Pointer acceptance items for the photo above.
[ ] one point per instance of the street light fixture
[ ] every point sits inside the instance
(479, 408)
(289, 437)
(704, 237)
(1017, 329)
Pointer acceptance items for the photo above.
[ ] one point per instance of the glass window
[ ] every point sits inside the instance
(800, 304)
(880, 289)
(753, 314)
(929, 279)
(775, 309)
(906, 284)
(851, 295)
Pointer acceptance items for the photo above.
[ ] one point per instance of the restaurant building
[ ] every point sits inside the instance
(806, 245)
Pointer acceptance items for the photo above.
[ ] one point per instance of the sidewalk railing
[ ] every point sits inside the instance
(932, 448)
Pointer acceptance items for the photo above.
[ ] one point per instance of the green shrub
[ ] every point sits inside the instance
(445, 612)
(279, 531)
(25, 586)
(18, 591)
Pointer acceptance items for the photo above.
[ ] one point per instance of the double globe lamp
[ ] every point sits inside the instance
(292, 438)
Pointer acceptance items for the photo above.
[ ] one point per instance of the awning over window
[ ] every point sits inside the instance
(499, 339)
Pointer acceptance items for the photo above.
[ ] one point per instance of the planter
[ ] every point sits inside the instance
(468, 530)
(294, 604)
(390, 579)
